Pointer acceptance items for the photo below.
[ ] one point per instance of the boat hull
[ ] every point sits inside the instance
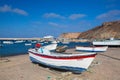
(73, 69)
(92, 49)
(75, 63)
(107, 43)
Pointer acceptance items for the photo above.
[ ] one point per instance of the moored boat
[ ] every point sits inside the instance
(28, 44)
(54, 42)
(92, 48)
(65, 42)
(19, 41)
(110, 42)
(68, 61)
(7, 42)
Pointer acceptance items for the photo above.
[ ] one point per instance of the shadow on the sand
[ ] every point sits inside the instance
(56, 69)
(51, 68)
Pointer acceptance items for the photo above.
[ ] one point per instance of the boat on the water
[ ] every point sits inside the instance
(92, 48)
(7, 42)
(28, 44)
(75, 62)
(19, 41)
(33, 41)
(107, 43)
(65, 42)
(54, 42)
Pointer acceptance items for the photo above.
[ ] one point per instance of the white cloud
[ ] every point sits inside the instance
(53, 15)
(7, 8)
(76, 16)
(109, 15)
(53, 24)
(19, 11)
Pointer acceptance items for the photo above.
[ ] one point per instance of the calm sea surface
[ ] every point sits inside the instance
(10, 48)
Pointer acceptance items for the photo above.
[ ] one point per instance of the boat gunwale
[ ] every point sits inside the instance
(62, 54)
(64, 57)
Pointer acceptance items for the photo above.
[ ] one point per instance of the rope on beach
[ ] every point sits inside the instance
(110, 57)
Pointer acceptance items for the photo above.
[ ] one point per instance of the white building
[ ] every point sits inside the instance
(48, 37)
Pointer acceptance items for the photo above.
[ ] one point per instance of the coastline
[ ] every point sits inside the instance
(105, 67)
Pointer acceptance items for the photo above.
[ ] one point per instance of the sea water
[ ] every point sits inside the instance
(9, 48)
(74, 44)
(16, 47)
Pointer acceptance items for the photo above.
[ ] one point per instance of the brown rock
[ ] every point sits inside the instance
(70, 35)
(105, 31)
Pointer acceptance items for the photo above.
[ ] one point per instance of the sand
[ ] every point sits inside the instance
(106, 66)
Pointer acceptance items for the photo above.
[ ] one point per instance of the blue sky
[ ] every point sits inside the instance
(38, 18)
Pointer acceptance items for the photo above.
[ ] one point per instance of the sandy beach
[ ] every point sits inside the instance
(106, 66)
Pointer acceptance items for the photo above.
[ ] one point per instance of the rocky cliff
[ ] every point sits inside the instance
(70, 35)
(105, 31)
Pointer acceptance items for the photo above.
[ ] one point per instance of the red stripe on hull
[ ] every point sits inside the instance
(64, 58)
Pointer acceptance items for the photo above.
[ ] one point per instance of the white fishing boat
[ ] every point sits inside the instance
(28, 44)
(7, 42)
(65, 42)
(107, 43)
(45, 42)
(19, 41)
(54, 42)
(33, 41)
(92, 48)
(75, 62)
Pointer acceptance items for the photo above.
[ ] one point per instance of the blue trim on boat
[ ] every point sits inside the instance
(73, 69)
(89, 51)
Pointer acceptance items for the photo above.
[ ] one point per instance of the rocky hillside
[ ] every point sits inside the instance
(105, 31)
(70, 35)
